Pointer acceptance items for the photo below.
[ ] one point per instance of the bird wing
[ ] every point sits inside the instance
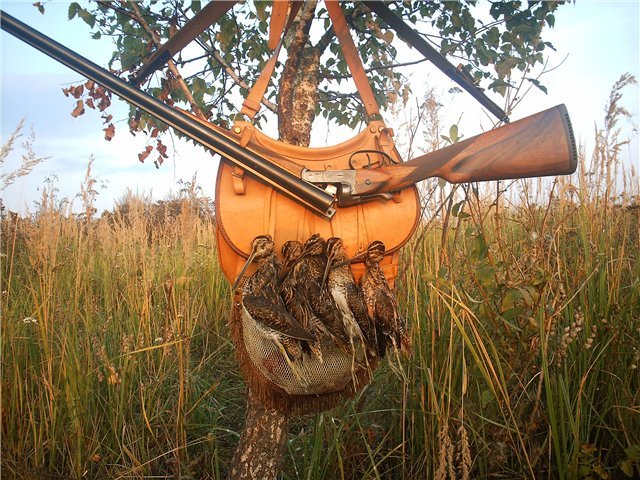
(275, 317)
(386, 312)
(357, 305)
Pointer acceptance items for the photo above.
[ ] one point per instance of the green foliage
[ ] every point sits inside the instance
(492, 41)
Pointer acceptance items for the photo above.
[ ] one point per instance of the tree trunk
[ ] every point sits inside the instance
(262, 444)
(298, 88)
(261, 447)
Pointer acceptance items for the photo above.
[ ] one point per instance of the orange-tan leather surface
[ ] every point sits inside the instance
(258, 209)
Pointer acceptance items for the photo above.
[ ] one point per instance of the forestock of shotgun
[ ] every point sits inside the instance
(272, 174)
(539, 145)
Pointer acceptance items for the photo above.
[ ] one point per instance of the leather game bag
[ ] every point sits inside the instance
(246, 208)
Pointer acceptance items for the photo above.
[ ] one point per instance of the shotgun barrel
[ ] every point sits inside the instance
(280, 179)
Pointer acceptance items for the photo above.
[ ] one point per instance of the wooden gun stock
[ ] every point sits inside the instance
(539, 145)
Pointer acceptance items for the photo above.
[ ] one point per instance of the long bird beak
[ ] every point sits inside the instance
(244, 269)
(356, 258)
(327, 269)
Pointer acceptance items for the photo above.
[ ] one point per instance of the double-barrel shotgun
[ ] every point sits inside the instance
(539, 145)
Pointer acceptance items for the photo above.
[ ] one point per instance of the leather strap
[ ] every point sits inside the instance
(252, 102)
(352, 58)
(278, 18)
(210, 14)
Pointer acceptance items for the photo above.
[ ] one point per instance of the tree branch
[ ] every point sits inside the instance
(374, 69)
(234, 76)
(172, 67)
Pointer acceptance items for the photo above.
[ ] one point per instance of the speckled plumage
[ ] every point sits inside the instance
(262, 301)
(293, 275)
(382, 306)
(347, 295)
(313, 262)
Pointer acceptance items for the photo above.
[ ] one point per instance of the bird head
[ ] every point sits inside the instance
(314, 245)
(334, 250)
(261, 247)
(375, 253)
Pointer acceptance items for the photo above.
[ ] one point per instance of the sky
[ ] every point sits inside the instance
(596, 42)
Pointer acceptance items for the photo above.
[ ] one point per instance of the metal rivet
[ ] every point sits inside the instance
(237, 130)
(372, 129)
(368, 181)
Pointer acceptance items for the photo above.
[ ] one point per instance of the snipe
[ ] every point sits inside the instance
(262, 301)
(347, 295)
(292, 276)
(382, 306)
(313, 263)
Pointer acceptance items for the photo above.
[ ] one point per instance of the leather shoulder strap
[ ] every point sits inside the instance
(251, 104)
(276, 25)
(352, 58)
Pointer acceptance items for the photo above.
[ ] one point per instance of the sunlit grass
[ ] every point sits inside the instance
(524, 308)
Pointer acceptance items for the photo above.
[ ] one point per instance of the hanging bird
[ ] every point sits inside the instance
(292, 277)
(382, 306)
(313, 264)
(347, 295)
(262, 301)
(314, 257)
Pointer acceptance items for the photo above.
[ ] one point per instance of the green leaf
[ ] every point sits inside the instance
(583, 471)
(529, 295)
(455, 210)
(633, 453)
(551, 20)
(74, 7)
(443, 272)
(261, 10)
(504, 67)
(509, 315)
(196, 6)
(492, 36)
(480, 248)
(510, 299)
(485, 273)
(87, 16)
(627, 468)
(499, 86)
(486, 398)
(537, 83)
(453, 133)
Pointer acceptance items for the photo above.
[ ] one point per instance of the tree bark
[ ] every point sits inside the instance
(262, 443)
(298, 88)
(261, 447)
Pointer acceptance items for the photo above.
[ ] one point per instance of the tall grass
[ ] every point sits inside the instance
(524, 307)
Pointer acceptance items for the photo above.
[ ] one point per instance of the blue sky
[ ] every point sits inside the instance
(600, 41)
